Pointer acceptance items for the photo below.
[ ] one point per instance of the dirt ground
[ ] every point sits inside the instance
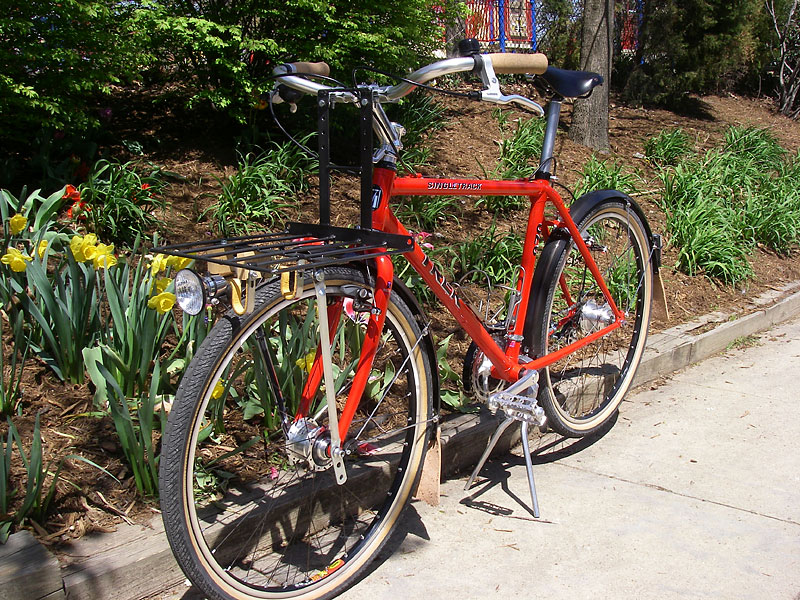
(89, 501)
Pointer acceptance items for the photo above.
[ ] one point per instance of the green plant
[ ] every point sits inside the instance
(38, 496)
(605, 175)
(744, 341)
(10, 379)
(517, 151)
(501, 116)
(754, 145)
(451, 385)
(495, 254)
(39, 213)
(689, 46)
(772, 219)
(130, 367)
(202, 45)
(405, 273)
(56, 59)
(6, 493)
(516, 154)
(133, 331)
(723, 204)
(64, 309)
(667, 147)
(422, 116)
(708, 241)
(121, 203)
(254, 196)
(428, 212)
(133, 422)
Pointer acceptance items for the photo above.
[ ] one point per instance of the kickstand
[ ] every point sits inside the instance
(526, 449)
(529, 466)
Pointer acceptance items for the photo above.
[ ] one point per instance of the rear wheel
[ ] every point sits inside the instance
(582, 391)
(250, 503)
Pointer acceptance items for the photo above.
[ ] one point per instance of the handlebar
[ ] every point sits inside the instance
(312, 68)
(484, 64)
(533, 64)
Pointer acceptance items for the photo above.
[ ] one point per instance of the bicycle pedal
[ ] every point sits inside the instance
(521, 408)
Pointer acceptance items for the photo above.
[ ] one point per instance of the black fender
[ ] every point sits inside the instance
(545, 263)
(586, 203)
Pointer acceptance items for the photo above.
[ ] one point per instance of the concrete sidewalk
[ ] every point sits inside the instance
(693, 493)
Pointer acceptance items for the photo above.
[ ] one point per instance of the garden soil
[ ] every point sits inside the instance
(88, 501)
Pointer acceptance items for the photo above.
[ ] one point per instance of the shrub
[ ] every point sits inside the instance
(56, 57)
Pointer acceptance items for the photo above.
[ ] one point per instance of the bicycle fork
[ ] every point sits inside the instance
(322, 369)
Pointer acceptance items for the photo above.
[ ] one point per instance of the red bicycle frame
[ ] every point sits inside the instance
(506, 363)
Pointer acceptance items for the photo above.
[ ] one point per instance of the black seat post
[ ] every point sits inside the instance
(546, 165)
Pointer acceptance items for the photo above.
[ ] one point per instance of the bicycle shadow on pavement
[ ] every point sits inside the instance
(411, 531)
(546, 448)
(409, 527)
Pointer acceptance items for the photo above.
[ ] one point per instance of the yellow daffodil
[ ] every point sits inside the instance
(307, 361)
(41, 248)
(219, 387)
(161, 284)
(90, 252)
(83, 247)
(178, 262)
(101, 255)
(163, 302)
(16, 260)
(103, 261)
(105, 248)
(159, 264)
(17, 223)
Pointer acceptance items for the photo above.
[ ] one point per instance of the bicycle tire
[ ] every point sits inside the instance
(581, 392)
(243, 521)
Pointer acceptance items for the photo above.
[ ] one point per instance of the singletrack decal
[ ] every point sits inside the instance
(454, 185)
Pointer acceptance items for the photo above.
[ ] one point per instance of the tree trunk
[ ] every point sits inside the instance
(590, 117)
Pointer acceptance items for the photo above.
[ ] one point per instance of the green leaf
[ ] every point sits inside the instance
(252, 408)
(92, 357)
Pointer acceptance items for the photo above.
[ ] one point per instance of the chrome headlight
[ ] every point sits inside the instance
(193, 292)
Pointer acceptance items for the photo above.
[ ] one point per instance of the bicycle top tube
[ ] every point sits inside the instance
(486, 65)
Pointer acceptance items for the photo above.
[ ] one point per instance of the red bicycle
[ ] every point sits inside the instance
(299, 430)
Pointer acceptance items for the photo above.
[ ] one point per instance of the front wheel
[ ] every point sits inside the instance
(249, 498)
(581, 392)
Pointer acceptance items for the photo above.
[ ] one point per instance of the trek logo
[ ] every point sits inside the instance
(377, 195)
(433, 270)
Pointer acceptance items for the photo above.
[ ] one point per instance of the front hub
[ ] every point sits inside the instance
(308, 445)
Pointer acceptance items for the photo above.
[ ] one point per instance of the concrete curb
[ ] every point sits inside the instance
(136, 562)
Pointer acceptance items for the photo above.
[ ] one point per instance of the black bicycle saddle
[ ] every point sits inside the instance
(571, 84)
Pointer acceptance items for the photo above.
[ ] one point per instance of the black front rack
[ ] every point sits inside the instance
(309, 245)
(299, 246)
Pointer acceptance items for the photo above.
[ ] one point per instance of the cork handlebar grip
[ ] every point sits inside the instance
(535, 64)
(311, 68)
